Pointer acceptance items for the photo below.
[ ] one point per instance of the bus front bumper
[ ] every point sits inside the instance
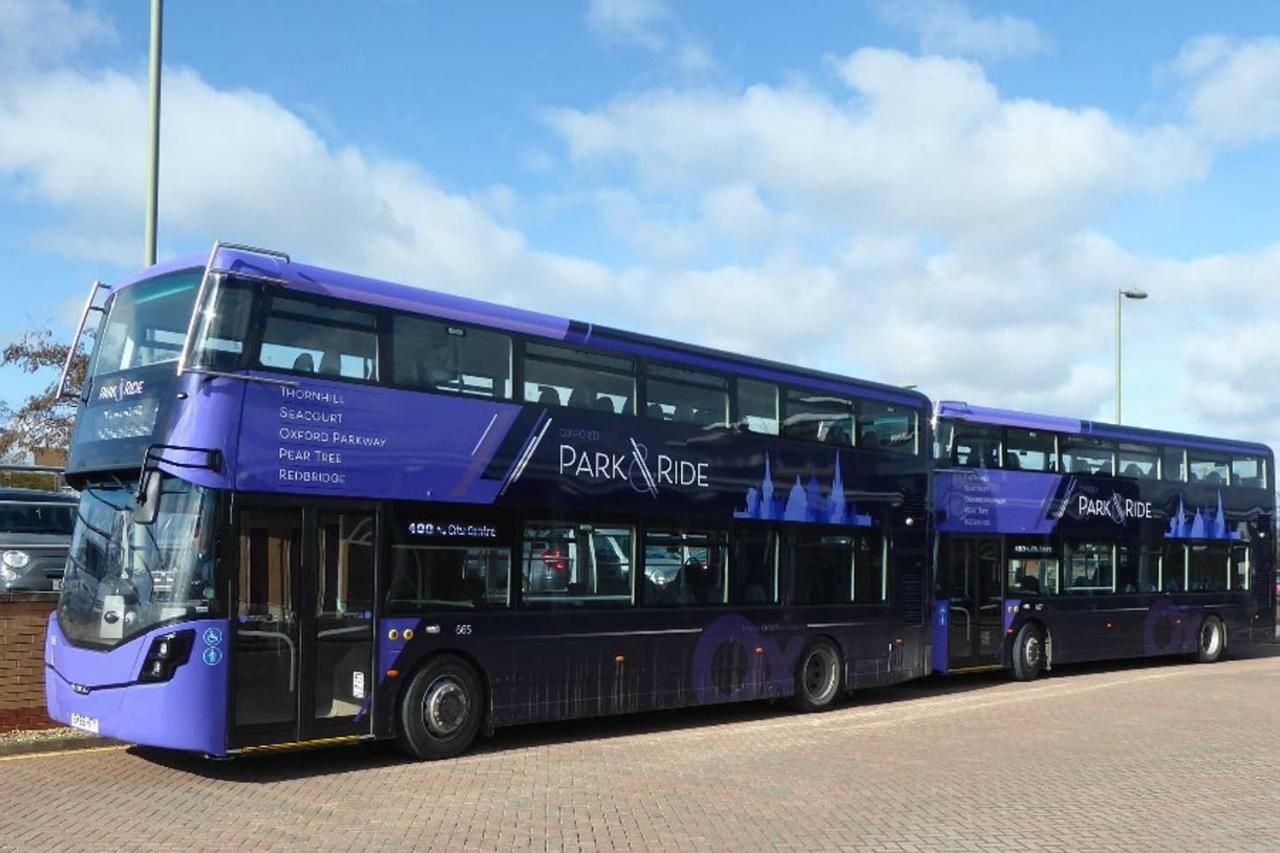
(100, 692)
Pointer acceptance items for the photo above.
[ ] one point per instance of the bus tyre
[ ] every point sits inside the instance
(442, 709)
(818, 677)
(1028, 653)
(1213, 640)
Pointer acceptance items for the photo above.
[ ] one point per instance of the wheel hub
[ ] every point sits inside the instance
(1032, 653)
(819, 676)
(445, 707)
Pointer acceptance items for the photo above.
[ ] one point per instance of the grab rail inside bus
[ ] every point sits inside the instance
(75, 341)
(198, 307)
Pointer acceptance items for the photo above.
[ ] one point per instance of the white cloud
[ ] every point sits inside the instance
(43, 31)
(948, 27)
(637, 21)
(926, 144)
(650, 24)
(237, 165)
(1232, 87)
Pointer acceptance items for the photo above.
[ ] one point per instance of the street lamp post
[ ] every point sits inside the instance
(1122, 295)
(153, 163)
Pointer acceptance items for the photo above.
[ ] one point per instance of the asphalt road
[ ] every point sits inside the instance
(1153, 756)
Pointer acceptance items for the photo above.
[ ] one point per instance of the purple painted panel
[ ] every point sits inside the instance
(1006, 417)
(189, 712)
(341, 439)
(941, 635)
(985, 501)
(209, 417)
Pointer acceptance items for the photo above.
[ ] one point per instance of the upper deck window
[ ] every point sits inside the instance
(1249, 471)
(1083, 455)
(882, 426)
(1140, 461)
(758, 406)
(559, 376)
(969, 444)
(1207, 468)
(310, 337)
(818, 416)
(686, 396)
(1029, 450)
(147, 323)
(1173, 464)
(439, 356)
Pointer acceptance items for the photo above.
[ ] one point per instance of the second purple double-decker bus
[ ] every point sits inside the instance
(1063, 540)
(319, 507)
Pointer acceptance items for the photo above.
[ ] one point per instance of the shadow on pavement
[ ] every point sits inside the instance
(289, 765)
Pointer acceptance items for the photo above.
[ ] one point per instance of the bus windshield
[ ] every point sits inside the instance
(147, 324)
(125, 576)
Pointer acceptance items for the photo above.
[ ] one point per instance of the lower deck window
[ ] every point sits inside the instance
(1137, 569)
(576, 564)
(1089, 568)
(839, 568)
(1208, 569)
(1032, 574)
(684, 569)
(424, 577)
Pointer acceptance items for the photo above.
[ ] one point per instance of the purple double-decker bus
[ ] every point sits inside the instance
(318, 507)
(1061, 541)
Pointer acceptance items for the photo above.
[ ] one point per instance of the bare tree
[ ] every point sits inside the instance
(41, 425)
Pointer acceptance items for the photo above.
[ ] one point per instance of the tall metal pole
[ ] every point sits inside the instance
(153, 164)
(1119, 301)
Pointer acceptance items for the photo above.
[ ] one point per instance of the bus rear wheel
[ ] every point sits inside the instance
(1028, 653)
(817, 678)
(442, 709)
(1212, 642)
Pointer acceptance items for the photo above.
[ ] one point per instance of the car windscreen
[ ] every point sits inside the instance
(37, 518)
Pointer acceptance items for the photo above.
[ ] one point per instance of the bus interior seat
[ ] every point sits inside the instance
(548, 396)
(1030, 584)
(579, 399)
(684, 413)
(304, 363)
(869, 438)
(1132, 470)
(472, 589)
(1080, 466)
(653, 410)
(604, 404)
(330, 364)
(1012, 462)
(1213, 477)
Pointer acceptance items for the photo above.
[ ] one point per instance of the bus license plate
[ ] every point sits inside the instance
(85, 723)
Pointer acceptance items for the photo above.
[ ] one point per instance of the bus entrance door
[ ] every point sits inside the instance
(302, 628)
(973, 572)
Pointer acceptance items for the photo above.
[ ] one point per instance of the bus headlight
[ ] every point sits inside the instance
(166, 654)
(15, 559)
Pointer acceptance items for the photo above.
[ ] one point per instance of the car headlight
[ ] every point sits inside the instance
(7, 574)
(16, 559)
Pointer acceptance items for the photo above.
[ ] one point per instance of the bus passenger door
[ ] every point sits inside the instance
(337, 625)
(302, 645)
(973, 572)
(265, 631)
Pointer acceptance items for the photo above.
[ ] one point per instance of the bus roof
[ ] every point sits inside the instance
(1094, 429)
(418, 300)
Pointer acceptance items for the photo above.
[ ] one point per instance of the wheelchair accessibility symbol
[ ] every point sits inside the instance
(212, 637)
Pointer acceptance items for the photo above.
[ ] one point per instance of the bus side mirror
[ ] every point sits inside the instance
(148, 498)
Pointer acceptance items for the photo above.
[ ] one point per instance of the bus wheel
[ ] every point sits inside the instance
(817, 678)
(1213, 640)
(442, 709)
(1028, 653)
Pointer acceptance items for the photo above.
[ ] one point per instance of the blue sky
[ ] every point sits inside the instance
(941, 193)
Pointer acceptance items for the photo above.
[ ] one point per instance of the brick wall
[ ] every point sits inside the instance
(22, 622)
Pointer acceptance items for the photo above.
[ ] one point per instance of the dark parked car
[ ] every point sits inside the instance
(35, 535)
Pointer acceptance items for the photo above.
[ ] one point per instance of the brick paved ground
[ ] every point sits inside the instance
(1152, 757)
